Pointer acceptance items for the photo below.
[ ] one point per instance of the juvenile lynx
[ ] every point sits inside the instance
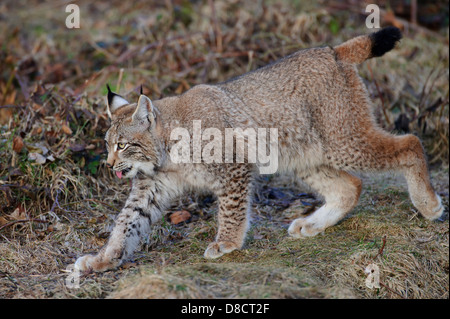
(322, 111)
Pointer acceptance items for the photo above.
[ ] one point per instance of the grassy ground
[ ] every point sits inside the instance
(413, 262)
(58, 200)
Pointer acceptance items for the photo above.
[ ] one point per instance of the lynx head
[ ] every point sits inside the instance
(131, 139)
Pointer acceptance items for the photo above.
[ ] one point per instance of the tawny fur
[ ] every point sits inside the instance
(326, 131)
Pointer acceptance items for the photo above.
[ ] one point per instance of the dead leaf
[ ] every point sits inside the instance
(3, 221)
(36, 130)
(38, 158)
(18, 213)
(38, 148)
(77, 147)
(54, 73)
(17, 144)
(5, 115)
(179, 217)
(66, 129)
(128, 265)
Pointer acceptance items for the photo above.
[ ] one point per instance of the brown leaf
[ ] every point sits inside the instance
(66, 129)
(36, 130)
(5, 115)
(9, 99)
(179, 217)
(54, 73)
(128, 265)
(17, 144)
(18, 213)
(3, 221)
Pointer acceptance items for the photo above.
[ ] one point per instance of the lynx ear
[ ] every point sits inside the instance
(114, 101)
(144, 109)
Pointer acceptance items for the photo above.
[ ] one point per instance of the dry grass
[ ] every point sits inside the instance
(52, 86)
(413, 262)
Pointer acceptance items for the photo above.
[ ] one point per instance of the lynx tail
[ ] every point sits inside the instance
(364, 47)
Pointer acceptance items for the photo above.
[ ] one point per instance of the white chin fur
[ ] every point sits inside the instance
(145, 168)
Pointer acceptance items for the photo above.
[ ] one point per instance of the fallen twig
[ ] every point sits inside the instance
(141, 50)
(383, 107)
(217, 31)
(91, 200)
(23, 221)
(11, 106)
(393, 291)
(380, 252)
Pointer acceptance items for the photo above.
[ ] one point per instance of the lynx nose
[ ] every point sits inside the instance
(110, 163)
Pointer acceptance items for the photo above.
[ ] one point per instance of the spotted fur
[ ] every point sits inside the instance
(326, 131)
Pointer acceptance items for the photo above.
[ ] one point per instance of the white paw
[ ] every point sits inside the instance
(96, 263)
(438, 211)
(302, 228)
(83, 264)
(217, 249)
(431, 209)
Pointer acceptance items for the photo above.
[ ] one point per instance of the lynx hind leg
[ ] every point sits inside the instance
(415, 169)
(380, 151)
(341, 191)
(234, 204)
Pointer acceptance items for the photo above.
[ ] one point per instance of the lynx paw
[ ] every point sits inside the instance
(437, 212)
(96, 263)
(302, 228)
(430, 206)
(219, 248)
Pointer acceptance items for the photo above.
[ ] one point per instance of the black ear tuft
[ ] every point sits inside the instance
(110, 94)
(384, 40)
(142, 91)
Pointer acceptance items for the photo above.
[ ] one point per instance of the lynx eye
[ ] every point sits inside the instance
(121, 146)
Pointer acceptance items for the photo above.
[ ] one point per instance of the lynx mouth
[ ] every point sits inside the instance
(123, 172)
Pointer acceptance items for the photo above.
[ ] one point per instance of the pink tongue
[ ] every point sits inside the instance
(119, 174)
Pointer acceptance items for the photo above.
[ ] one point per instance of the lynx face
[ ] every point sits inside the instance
(130, 141)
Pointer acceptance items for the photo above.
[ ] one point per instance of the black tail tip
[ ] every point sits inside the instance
(384, 40)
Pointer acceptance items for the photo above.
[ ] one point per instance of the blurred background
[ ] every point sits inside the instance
(53, 85)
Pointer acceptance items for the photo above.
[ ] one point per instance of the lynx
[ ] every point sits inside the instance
(326, 132)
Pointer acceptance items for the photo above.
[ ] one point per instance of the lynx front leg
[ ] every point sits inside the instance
(142, 208)
(234, 204)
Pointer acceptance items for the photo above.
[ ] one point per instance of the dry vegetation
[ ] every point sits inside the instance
(58, 200)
